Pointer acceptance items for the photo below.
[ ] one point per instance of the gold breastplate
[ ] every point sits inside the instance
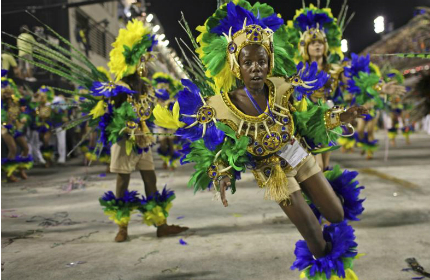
(268, 132)
(12, 113)
(45, 112)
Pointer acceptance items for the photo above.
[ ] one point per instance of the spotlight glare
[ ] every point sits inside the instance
(344, 45)
(379, 24)
(149, 18)
(156, 28)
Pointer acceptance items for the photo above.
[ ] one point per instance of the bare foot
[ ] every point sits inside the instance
(165, 230)
(12, 179)
(121, 236)
(23, 174)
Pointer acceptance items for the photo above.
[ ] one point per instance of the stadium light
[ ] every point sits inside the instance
(344, 45)
(379, 24)
(149, 18)
(156, 28)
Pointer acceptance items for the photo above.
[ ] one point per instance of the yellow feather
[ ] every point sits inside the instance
(98, 110)
(301, 105)
(133, 33)
(224, 80)
(104, 71)
(154, 217)
(349, 275)
(202, 29)
(166, 118)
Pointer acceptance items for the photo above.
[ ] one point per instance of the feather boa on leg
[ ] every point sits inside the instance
(335, 265)
(155, 208)
(120, 209)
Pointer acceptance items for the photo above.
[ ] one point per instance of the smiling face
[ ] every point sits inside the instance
(254, 66)
(316, 49)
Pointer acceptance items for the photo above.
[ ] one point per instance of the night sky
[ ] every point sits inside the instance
(359, 32)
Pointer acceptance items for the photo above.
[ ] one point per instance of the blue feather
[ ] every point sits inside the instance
(236, 15)
(310, 19)
(342, 238)
(310, 73)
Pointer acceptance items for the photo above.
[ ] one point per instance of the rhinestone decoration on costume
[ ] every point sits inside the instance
(232, 47)
(45, 112)
(267, 135)
(144, 114)
(205, 114)
(13, 113)
(271, 142)
(212, 171)
(131, 125)
(254, 33)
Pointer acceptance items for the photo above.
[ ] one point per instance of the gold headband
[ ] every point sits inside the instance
(248, 35)
(313, 34)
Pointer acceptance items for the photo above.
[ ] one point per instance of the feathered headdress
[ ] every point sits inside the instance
(234, 26)
(165, 85)
(310, 24)
(394, 75)
(131, 49)
(47, 91)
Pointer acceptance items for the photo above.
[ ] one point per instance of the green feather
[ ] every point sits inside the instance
(234, 150)
(366, 83)
(120, 117)
(406, 55)
(133, 55)
(263, 9)
(310, 124)
(203, 157)
(324, 150)
(216, 55)
(81, 55)
(48, 68)
(60, 57)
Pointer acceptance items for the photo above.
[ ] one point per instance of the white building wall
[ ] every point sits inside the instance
(97, 12)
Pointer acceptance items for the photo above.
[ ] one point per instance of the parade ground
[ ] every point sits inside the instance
(52, 225)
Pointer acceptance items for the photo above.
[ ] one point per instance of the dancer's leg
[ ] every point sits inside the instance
(320, 192)
(22, 143)
(61, 145)
(301, 215)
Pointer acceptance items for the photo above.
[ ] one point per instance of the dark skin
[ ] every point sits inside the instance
(148, 176)
(12, 142)
(254, 67)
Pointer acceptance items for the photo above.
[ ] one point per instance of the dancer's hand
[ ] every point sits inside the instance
(393, 88)
(224, 184)
(353, 113)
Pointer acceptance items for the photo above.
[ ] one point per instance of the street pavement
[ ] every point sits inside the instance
(53, 231)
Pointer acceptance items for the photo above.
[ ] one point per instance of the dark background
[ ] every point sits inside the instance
(56, 18)
(359, 33)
